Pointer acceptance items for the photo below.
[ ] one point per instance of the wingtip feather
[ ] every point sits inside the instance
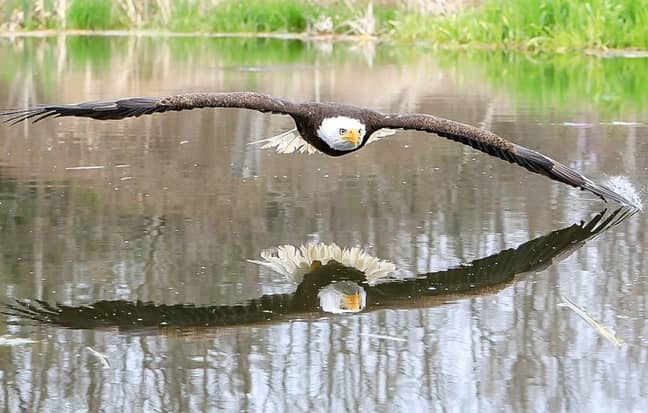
(608, 194)
(539, 163)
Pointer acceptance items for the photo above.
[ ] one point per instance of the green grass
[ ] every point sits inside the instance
(284, 16)
(91, 15)
(528, 25)
(225, 16)
(557, 25)
(259, 16)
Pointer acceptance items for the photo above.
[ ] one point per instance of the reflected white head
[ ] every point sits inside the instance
(342, 133)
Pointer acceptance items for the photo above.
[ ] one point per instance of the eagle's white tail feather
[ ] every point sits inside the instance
(290, 141)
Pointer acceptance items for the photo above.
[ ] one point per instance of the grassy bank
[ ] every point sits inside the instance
(554, 25)
(213, 16)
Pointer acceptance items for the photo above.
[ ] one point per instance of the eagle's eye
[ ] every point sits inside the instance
(342, 131)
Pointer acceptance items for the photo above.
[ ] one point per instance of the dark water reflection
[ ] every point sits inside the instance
(177, 204)
(481, 276)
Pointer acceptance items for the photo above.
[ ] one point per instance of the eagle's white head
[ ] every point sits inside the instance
(342, 133)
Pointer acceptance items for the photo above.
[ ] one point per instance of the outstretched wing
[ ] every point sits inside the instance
(138, 106)
(494, 145)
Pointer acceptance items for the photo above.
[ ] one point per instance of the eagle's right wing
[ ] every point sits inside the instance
(138, 106)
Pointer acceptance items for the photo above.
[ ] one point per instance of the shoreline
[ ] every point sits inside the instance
(162, 33)
(607, 53)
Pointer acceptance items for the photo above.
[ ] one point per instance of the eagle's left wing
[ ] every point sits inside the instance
(494, 145)
(138, 106)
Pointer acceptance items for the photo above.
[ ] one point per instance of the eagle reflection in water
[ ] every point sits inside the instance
(330, 286)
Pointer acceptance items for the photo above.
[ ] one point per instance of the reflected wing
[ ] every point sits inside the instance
(137, 315)
(494, 145)
(138, 106)
(534, 255)
(140, 315)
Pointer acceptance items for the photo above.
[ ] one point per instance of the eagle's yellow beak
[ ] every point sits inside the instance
(352, 136)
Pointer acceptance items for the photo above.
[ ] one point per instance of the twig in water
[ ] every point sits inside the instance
(382, 337)
(100, 356)
(8, 340)
(597, 326)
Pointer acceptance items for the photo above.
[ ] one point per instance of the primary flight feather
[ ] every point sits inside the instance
(334, 129)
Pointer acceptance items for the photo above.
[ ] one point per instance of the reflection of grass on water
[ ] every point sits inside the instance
(242, 51)
(99, 51)
(611, 86)
(94, 50)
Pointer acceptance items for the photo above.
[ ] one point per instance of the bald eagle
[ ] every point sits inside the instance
(335, 129)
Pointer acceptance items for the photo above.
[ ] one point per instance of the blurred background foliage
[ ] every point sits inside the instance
(529, 25)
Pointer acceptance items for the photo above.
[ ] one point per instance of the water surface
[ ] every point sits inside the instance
(169, 209)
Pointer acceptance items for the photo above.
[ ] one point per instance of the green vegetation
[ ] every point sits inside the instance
(214, 16)
(529, 25)
(250, 16)
(90, 14)
(556, 25)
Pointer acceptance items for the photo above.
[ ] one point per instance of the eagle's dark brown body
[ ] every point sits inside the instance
(309, 116)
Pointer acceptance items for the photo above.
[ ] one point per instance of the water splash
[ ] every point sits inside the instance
(622, 185)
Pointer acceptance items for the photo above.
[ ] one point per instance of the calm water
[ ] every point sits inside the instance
(174, 206)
